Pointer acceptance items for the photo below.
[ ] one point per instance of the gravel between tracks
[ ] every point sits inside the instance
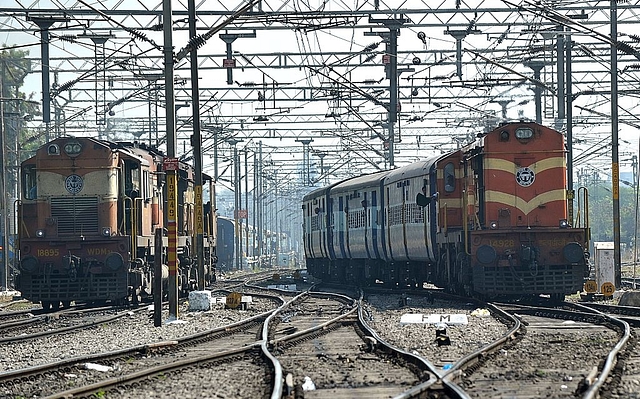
(133, 330)
(241, 379)
(385, 312)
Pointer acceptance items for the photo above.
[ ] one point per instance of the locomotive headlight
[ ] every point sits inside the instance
(486, 254)
(114, 261)
(563, 224)
(29, 264)
(524, 133)
(106, 231)
(573, 252)
(493, 225)
(72, 148)
(40, 233)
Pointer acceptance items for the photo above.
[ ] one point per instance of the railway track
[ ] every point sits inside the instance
(321, 341)
(126, 367)
(44, 324)
(248, 344)
(329, 340)
(551, 358)
(624, 381)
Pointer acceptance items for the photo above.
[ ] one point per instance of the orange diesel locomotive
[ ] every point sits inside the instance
(86, 221)
(489, 219)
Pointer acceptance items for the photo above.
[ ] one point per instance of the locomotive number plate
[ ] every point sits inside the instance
(47, 252)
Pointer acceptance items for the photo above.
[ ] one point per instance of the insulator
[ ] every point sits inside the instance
(472, 23)
(625, 48)
(138, 35)
(66, 86)
(371, 47)
(196, 42)
(68, 38)
(635, 38)
(369, 58)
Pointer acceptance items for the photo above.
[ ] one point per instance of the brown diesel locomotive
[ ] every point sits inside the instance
(86, 221)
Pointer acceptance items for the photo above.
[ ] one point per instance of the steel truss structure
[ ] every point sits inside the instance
(357, 85)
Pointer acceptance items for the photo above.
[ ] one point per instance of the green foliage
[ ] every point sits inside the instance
(601, 213)
(18, 106)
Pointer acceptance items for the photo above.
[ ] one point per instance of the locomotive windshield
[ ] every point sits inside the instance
(29, 182)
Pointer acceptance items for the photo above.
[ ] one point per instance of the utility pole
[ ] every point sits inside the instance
(196, 144)
(321, 155)
(636, 186)
(246, 201)
(615, 171)
(390, 58)
(306, 167)
(537, 66)
(229, 62)
(237, 203)
(254, 218)
(44, 23)
(172, 181)
(259, 205)
(560, 76)
(569, 101)
(4, 272)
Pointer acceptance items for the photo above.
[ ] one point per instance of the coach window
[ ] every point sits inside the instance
(449, 177)
(29, 182)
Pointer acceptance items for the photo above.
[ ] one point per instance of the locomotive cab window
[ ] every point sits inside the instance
(132, 179)
(29, 182)
(449, 177)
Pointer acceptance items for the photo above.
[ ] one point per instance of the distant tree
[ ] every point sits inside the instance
(17, 108)
(17, 105)
(601, 213)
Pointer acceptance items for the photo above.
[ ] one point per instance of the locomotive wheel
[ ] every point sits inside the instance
(46, 305)
(66, 304)
(55, 306)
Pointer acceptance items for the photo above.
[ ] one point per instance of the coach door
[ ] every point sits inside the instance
(450, 181)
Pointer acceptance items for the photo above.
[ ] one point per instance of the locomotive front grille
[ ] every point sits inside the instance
(549, 279)
(75, 215)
